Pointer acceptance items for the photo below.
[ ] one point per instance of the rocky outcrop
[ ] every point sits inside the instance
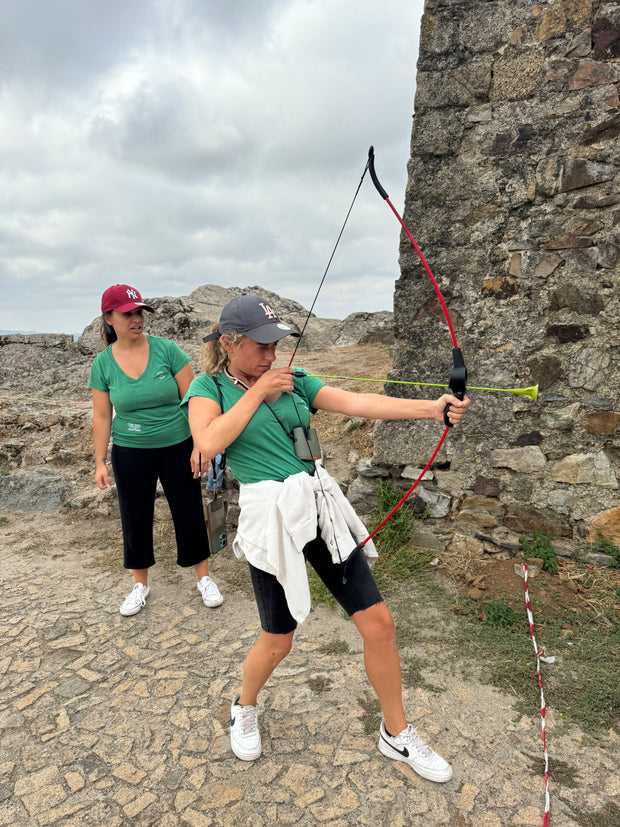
(45, 410)
(53, 365)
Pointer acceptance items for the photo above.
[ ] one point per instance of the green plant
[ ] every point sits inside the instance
(582, 685)
(354, 424)
(400, 528)
(4, 520)
(399, 559)
(335, 647)
(499, 613)
(539, 545)
(607, 546)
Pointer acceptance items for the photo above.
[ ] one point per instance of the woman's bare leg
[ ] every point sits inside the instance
(382, 663)
(268, 651)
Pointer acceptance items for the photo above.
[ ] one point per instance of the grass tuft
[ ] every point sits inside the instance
(399, 558)
(607, 546)
(539, 545)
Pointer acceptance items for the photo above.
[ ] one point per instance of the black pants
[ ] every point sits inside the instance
(136, 471)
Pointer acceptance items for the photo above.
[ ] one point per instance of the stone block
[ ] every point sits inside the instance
(605, 423)
(516, 75)
(363, 496)
(561, 419)
(539, 265)
(565, 333)
(585, 469)
(557, 174)
(569, 295)
(499, 288)
(465, 86)
(523, 460)
(578, 173)
(485, 487)
(588, 364)
(545, 369)
(482, 512)
(563, 16)
(606, 33)
(591, 73)
(525, 519)
(607, 523)
(437, 504)
(568, 242)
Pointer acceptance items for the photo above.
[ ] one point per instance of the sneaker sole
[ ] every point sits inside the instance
(246, 756)
(130, 613)
(211, 604)
(439, 776)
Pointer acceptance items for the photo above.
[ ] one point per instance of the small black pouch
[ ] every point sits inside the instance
(216, 512)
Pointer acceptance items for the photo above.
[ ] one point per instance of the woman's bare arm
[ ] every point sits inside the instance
(376, 406)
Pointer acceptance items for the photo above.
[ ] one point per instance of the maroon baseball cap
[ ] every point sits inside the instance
(123, 298)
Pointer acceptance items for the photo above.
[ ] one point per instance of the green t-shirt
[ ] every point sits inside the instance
(146, 410)
(263, 450)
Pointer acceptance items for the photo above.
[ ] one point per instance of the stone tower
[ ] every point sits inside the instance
(513, 195)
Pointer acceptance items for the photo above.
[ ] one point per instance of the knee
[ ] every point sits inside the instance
(378, 626)
(278, 646)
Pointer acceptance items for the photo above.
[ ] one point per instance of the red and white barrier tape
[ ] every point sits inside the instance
(539, 656)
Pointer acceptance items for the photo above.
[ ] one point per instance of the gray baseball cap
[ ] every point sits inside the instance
(255, 318)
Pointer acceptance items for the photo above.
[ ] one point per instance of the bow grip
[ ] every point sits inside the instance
(458, 381)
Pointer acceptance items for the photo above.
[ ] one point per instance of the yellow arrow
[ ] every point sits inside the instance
(531, 393)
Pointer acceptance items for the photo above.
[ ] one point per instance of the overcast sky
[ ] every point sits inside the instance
(172, 143)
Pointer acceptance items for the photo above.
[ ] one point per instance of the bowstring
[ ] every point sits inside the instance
(303, 330)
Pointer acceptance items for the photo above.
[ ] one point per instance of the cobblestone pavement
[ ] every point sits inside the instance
(106, 720)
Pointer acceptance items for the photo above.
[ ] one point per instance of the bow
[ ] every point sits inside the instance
(458, 374)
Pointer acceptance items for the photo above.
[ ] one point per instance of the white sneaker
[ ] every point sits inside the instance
(211, 596)
(407, 746)
(135, 600)
(244, 734)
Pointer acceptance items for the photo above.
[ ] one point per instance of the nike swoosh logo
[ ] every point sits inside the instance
(232, 721)
(404, 751)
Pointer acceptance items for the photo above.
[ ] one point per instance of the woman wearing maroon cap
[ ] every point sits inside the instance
(137, 383)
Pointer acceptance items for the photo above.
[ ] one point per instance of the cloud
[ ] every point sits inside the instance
(172, 144)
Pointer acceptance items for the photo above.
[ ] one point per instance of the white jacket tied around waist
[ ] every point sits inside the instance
(279, 518)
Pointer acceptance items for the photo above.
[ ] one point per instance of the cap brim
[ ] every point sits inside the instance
(125, 308)
(268, 333)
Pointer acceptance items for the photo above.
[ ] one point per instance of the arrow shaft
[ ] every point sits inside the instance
(519, 391)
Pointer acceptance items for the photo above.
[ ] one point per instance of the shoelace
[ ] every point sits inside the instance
(210, 588)
(411, 738)
(138, 593)
(249, 719)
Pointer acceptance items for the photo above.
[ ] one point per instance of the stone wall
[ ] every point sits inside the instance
(513, 195)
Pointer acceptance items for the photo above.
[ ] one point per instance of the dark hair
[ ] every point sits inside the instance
(108, 334)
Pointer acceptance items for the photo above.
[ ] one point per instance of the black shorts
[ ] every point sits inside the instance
(358, 593)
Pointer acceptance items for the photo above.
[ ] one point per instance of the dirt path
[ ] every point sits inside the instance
(106, 720)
